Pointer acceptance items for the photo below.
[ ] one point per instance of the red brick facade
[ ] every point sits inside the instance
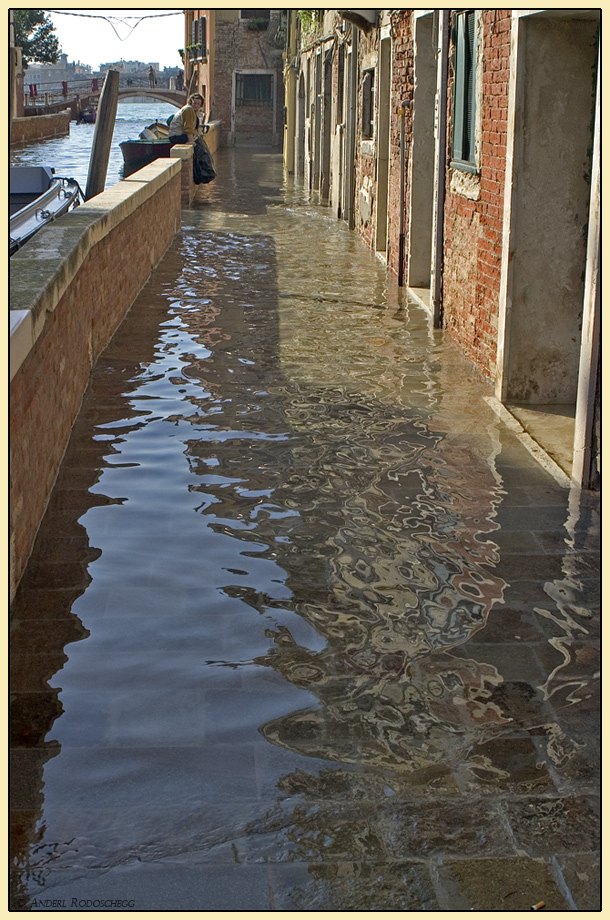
(238, 49)
(473, 228)
(402, 89)
(47, 389)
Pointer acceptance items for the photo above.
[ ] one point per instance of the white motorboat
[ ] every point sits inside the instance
(37, 196)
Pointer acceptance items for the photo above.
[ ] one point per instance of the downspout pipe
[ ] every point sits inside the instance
(401, 212)
(350, 145)
(441, 165)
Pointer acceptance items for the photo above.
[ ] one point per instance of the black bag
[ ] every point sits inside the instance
(203, 164)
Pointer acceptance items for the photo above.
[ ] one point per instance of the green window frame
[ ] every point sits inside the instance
(465, 91)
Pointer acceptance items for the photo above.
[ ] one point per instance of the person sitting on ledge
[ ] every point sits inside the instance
(183, 127)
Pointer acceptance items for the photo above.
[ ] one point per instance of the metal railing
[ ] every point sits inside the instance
(69, 91)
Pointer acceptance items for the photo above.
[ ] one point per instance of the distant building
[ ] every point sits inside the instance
(50, 78)
(129, 66)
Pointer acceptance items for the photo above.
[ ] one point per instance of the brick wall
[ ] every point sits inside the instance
(47, 389)
(238, 49)
(38, 127)
(402, 90)
(473, 228)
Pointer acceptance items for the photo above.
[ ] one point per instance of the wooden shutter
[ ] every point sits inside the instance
(470, 101)
(464, 96)
(367, 114)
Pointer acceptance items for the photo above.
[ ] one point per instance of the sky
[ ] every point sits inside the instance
(94, 41)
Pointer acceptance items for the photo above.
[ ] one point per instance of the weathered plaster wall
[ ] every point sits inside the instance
(366, 149)
(550, 207)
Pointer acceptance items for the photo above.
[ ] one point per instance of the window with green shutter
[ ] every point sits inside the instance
(368, 103)
(464, 90)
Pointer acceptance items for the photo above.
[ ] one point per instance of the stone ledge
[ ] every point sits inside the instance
(182, 152)
(22, 338)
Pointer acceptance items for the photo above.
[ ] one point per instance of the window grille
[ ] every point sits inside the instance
(253, 89)
(254, 14)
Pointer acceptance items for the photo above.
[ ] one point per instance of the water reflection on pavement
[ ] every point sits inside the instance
(305, 627)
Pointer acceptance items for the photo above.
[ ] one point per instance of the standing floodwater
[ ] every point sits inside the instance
(70, 155)
(306, 627)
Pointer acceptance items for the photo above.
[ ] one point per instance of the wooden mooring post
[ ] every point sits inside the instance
(102, 138)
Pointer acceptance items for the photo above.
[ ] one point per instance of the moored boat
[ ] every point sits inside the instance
(137, 154)
(36, 197)
(88, 115)
(153, 142)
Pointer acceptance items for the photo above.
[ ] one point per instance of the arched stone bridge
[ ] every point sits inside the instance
(173, 96)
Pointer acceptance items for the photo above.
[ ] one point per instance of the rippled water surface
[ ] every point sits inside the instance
(70, 155)
(305, 624)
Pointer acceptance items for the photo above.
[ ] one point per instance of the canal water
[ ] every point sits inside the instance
(69, 156)
(306, 627)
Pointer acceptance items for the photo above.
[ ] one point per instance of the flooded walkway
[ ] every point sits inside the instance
(305, 627)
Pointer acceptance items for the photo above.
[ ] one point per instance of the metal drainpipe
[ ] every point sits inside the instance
(441, 163)
(350, 144)
(401, 198)
(341, 130)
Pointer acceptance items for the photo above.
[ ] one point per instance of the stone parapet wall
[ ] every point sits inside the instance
(212, 138)
(70, 287)
(39, 127)
(184, 153)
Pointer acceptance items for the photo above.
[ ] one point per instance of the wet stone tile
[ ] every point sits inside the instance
(526, 517)
(527, 566)
(572, 758)
(25, 775)
(582, 876)
(444, 827)
(43, 603)
(115, 835)
(580, 662)
(512, 661)
(30, 717)
(548, 826)
(561, 542)
(523, 541)
(35, 673)
(507, 764)
(39, 636)
(505, 625)
(56, 575)
(315, 831)
(498, 884)
(163, 885)
(522, 703)
(168, 775)
(353, 886)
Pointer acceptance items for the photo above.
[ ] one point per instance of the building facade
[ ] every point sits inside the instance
(234, 58)
(463, 146)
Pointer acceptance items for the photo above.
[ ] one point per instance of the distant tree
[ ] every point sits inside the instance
(35, 35)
